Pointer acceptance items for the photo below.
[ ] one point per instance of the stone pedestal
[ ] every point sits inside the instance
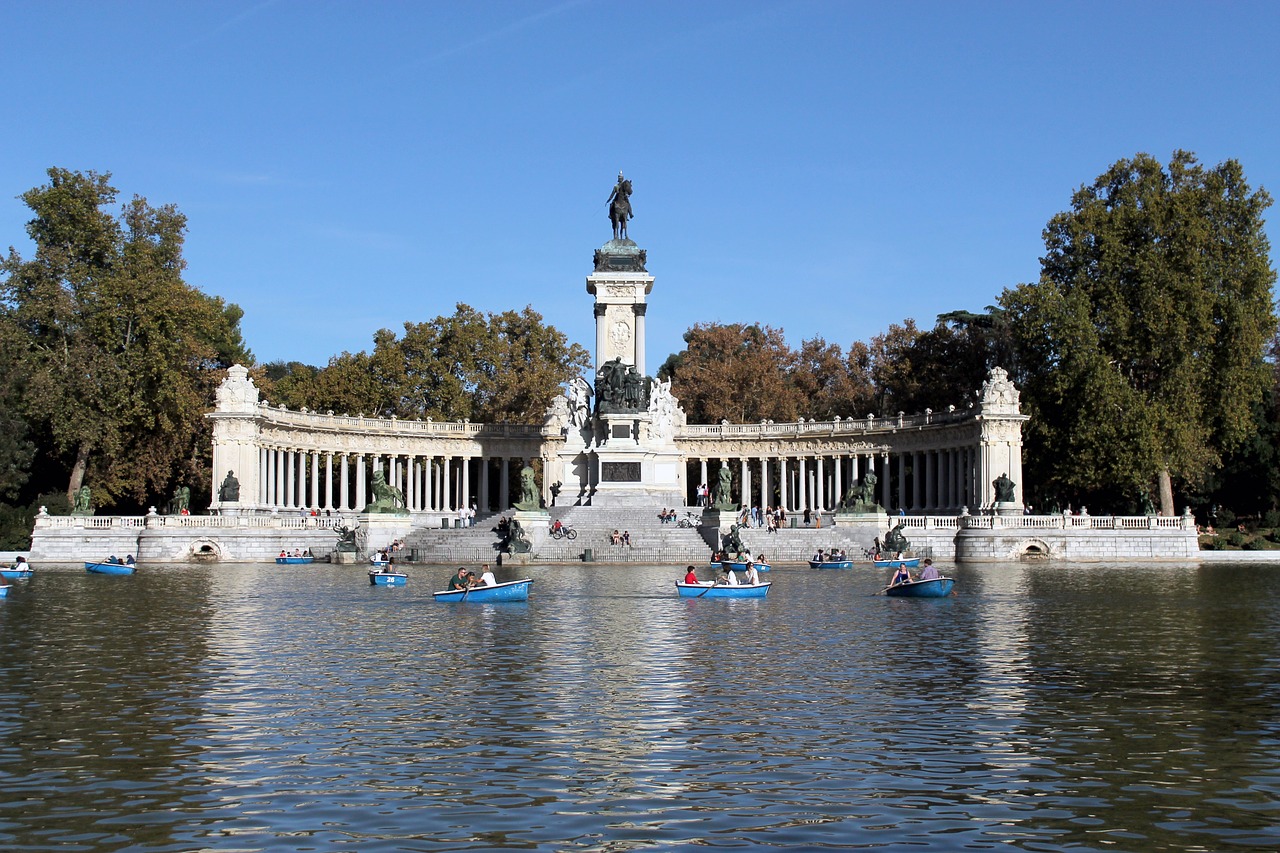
(232, 508)
(379, 530)
(862, 519)
(344, 557)
(1008, 508)
(535, 525)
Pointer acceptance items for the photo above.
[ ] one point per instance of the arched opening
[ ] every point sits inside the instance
(205, 551)
(1032, 550)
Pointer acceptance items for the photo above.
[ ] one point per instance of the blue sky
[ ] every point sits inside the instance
(826, 168)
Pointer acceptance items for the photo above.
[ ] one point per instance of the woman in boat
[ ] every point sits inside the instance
(753, 574)
(691, 576)
(900, 576)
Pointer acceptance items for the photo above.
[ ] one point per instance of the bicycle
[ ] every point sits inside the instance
(564, 532)
(691, 519)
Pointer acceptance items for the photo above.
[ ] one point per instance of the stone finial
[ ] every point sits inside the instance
(998, 394)
(237, 393)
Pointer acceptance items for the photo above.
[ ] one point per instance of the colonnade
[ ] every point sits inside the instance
(292, 478)
(934, 480)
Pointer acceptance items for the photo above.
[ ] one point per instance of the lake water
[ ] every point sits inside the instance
(247, 707)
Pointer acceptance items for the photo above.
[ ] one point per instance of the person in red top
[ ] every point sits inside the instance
(691, 576)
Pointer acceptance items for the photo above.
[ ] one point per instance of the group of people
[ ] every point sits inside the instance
(727, 576)
(113, 560)
(465, 578)
(667, 516)
(623, 538)
(832, 556)
(928, 572)
(305, 552)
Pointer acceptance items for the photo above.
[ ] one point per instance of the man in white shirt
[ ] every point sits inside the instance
(486, 577)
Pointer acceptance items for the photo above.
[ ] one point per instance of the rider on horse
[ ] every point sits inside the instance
(620, 207)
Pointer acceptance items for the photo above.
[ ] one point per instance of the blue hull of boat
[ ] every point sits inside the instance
(292, 561)
(4, 590)
(16, 574)
(934, 588)
(910, 563)
(831, 564)
(742, 567)
(699, 590)
(388, 579)
(378, 564)
(108, 568)
(509, 591)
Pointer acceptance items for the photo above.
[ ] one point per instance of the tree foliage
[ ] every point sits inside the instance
(118, 356)
(490, 368)
(1141, 346)
(735, 372)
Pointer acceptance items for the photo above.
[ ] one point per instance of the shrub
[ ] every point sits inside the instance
(1260, 545)
(1226, 518)
(1271, 518)
(1235, 539)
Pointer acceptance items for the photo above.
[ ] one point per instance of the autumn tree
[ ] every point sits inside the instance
(735, 372)
(119, 356)
(1142, 343)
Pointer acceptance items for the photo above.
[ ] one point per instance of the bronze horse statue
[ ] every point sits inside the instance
(620, 207)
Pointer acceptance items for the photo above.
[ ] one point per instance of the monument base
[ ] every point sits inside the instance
(348, 558)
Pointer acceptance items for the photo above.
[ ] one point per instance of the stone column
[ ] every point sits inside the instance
(839, 481)
(504, 490)
(902, 481)
(486, 466)
(782, 483)
(745, 481)
(446, 494)
(805, 501)
(361, 497)
(820, 499)
(764, 483)
(884, 481)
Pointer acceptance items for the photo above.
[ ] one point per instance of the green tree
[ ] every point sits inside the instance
(1142, 344)
(492, 368)
(119, 356)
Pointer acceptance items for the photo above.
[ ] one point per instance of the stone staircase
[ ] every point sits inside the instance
(651, 540)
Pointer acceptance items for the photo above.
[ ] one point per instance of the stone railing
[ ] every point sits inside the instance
(154, 521)
(1077, 522)
(851, 426)
(442, 429)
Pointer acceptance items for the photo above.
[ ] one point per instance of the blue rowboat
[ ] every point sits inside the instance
(290, 561)
(388, 578)
(909, 562)
(16, 573)
(741, 566)
(831, 564)
(707, 590)
(932, 588)
(509, 591)
(379, 564)
(108, 568)
(4, 589)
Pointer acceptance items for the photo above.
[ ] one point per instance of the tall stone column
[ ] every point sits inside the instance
(902, 481)
(782, 483)
(765, 498)
(362, 491)
(504, 490)
(820, 499)
(447, 494)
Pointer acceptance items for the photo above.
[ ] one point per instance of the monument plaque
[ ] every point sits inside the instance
(620, 472)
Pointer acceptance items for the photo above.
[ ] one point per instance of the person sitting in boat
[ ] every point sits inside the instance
(128, 560)
(306, 552)
(486, 577)
(818, 557)
(284, 553)
(929, 572)
(727, 578)
(113, 560)
(691, 576)
(459, 581)
(753, 574)
(900, 576)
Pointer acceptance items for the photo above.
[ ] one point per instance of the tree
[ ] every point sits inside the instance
(1142, 344)
(831, 383)
(499, 367)
(735, 372)
(119, 356)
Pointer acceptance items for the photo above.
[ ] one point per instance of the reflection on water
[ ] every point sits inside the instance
(297, 708)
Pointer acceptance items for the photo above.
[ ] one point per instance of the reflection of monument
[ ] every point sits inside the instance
(623, 453)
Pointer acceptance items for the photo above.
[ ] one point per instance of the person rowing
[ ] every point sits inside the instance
(900, 576)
